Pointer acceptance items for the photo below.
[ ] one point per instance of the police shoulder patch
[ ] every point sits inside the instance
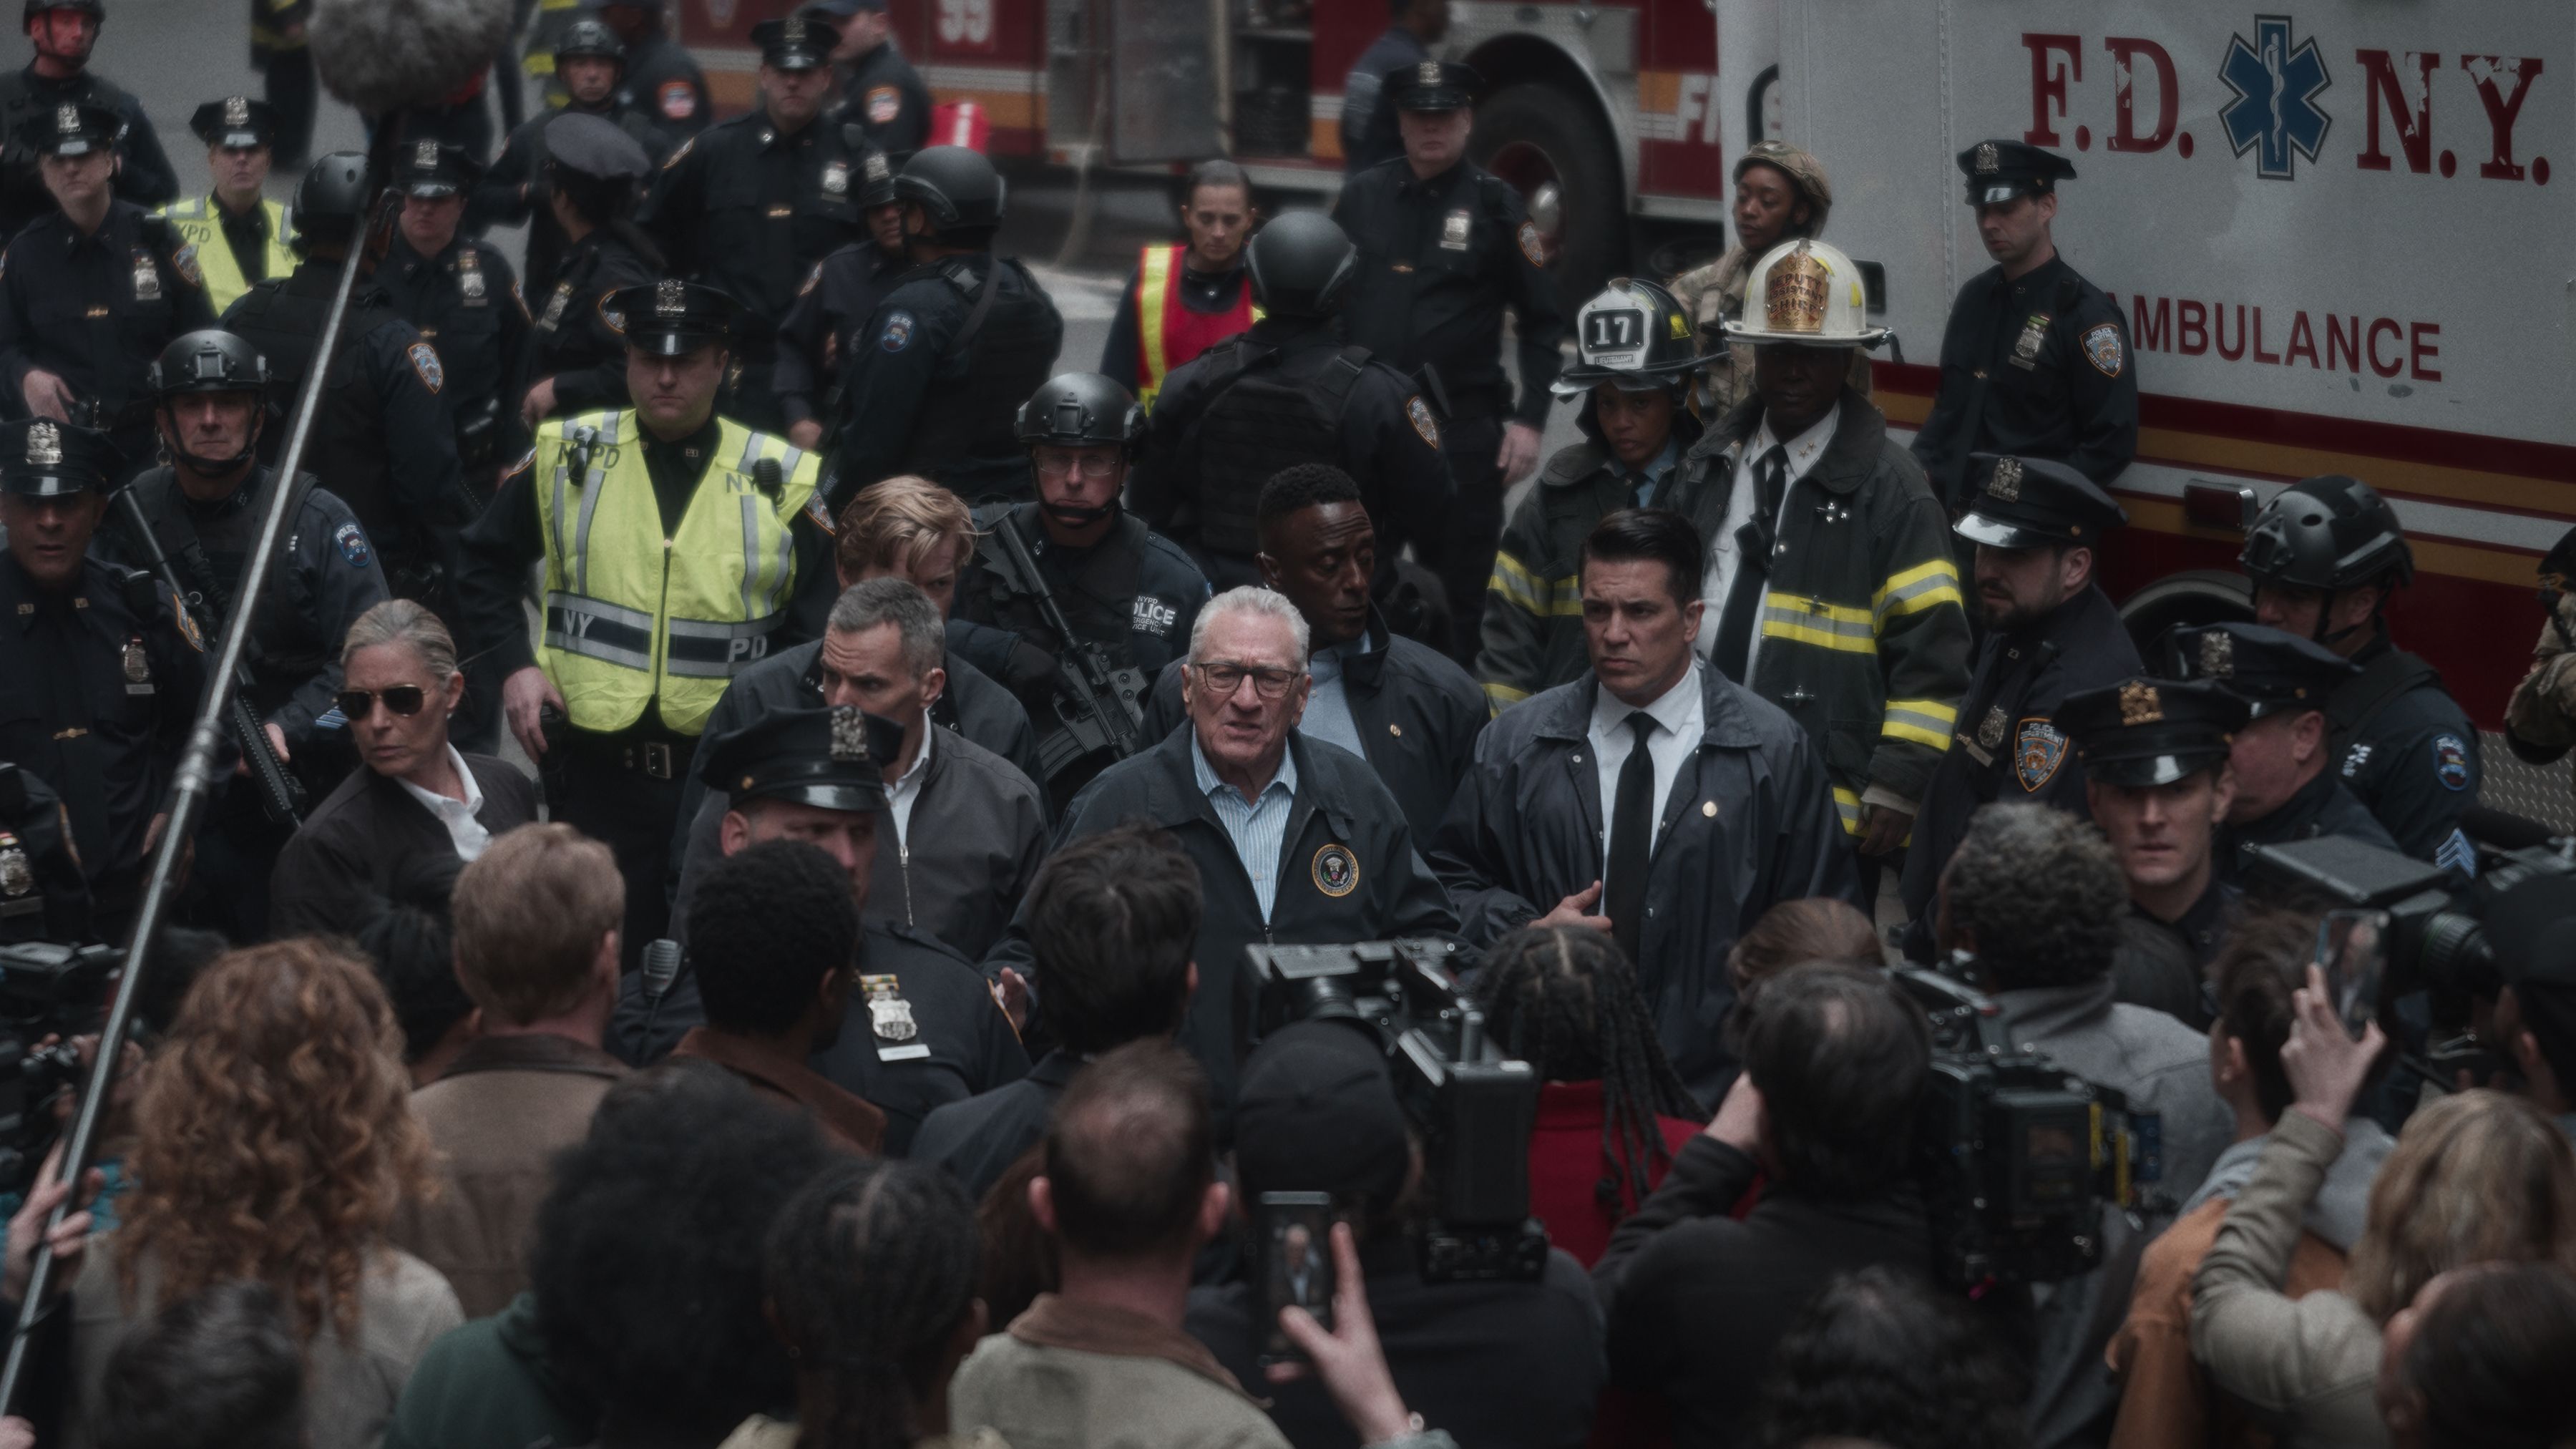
(898, 331)
(2102, 348)
(1418, 413)
(2451, 762)
(819, 514)
(1336, 870)
(187, 626)
(813, 279)
(610, 317)
(424, 360)
(184, 261)
(2037, 752)
(351, 540)
(1533, 246)
(884, 104)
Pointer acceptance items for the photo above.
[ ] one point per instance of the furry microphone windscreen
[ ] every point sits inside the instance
(385, 55)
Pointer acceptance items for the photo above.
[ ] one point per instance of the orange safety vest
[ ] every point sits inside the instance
(1169, 334)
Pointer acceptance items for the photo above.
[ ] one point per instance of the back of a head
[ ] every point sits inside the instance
(1301, 264)
(1882, 1357)
(897, 523)
(767, 924)
(1840, 1057)
(872, 1271)
(1565, 1000)
(2489, 1359)
(1316, 1111)
(1113, 922)
(221, 1369)
(2477, 1177)
(529, 915)
(1819, 928)
(2262, 961)
(413, 948)
(1130, 1154)
(649, 1249)
(2040, 893)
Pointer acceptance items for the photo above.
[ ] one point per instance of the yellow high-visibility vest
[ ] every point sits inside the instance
(200, 224)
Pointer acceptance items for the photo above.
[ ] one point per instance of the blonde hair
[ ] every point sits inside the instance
(2479, 1177)
(897, 522)
(529, 913)
(401, 621)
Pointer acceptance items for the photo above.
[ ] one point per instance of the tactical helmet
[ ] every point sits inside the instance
(332, 198)
(2327, 533)
(208, 360)
(1301, 263)
(955, 186)
(1805, 291)
(592, 38)
(92, 8)
(1634, 335)
(1080, 410)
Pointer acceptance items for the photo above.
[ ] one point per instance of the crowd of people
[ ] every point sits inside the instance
(753, 896)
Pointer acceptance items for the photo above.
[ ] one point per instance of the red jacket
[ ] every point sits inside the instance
(1567, 1163)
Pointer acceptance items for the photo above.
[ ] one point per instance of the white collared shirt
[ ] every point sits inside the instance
(1680, 716)
(907, 786)
(1805, 451)
(463, 830)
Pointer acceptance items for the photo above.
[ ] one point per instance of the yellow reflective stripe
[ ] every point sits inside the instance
(1500, 697)
(1153, 286)
(1806, 620)
(1847, 805)
(1547, 598)
(1922, 587)
(1924, 721)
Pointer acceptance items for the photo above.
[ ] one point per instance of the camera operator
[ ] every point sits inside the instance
(2157, 781)
(2031, 903)
(1835, 1059)
(1498, 1363)
(1113, 920)
(2534, 1024)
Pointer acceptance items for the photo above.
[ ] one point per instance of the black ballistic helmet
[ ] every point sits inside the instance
(1301, 263)
(1080, 410)
(2328, 533)
(589, 37)
(208, 360)
(955, 186)
(91, 8)
(331, 200)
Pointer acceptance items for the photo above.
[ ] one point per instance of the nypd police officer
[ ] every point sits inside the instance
(2050, 632)
(460, 292)
(675, 542)
(99, 673)
(589, 62)
(92, 290)
(881, 93)
(957, 338)
(1445, 246)
(2035, 362)
(201, 507)
(832, 309)
(2326, 555)
(577, 354)
(64, 32)
(240, 235)
(754, 202)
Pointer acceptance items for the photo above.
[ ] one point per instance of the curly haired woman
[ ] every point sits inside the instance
(275, 1139)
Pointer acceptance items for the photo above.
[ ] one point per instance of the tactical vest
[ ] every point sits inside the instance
(200, 224)
(347, 445)
(1009, 341)
(285, 649)
(2358, 700)
(1260, 423)
(633, 617)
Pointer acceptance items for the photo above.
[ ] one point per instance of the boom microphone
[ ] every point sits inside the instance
(386, 55)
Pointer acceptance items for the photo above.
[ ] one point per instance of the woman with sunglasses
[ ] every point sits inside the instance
(417, 795)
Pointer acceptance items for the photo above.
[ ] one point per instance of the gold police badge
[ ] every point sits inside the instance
(2140, 704)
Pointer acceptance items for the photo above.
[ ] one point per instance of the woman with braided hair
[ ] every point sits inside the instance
(871, 1273)
(1613, 1111)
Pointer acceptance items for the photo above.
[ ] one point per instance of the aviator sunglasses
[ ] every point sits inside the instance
(402, 699)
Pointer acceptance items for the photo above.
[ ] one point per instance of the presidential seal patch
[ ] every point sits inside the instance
(898, 331)
(2451, 762)
(884, 104)
(351, 540)
(1533, 246)
(2102, 349)
(2039, 750)
(1418, 413)
(424, 360)
(1337, 871)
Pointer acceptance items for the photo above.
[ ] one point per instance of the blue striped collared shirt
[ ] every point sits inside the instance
(1258, 828)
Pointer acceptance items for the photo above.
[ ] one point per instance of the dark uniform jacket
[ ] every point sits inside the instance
(513, 191)
(1339, 809)
(2161, 964)
(978, 1139)
(465, 302)
(324, 576)
(663, 81)
(1417, 712)
(1748, 822)
(574, 339)
(143, 172)
(1864, 629)
(825, 320)
(2320, 808)
(1439, 260)
(2037, 368)
(96, 309)
(1369, 133)
(2008, 745)
(339, 869)
(749, 210)
(934, 390)
(98, 686)
(2407, 751)
(883, 96)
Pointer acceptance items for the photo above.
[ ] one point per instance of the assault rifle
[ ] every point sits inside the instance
(1097, 705)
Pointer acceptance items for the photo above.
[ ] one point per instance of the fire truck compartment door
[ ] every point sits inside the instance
(1162, 80)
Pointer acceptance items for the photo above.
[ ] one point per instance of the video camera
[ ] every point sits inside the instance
(1473, 1107)
(2017, 1159)
(46, 989)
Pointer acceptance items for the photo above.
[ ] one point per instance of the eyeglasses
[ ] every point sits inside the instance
(402, 699)
(1089, 465)
(1225, 679)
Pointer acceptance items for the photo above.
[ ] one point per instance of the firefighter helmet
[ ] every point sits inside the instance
(1633, 335)
(1805, 291)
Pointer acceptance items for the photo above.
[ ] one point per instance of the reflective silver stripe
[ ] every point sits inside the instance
(751, 558)
(1929, 724)
(1820, 623)
(750, 453)
(599, 630)
(786, 565)
(714, 629)
(563, 473)
(703, 650)
(590, 491)
(788, 460)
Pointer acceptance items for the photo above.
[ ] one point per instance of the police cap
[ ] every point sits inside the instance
(74, 128)
(672, 318)
(799, 42)
(207, 360)
(955, 187)
(1301, 264)
(430, 170)
(1435, 85)
(1080, 410)
(236, 123)
(41, 458)
(594, 146)
(588, 37)
(2327, 533)
(2273, 671)
(2151, 731)
(832, 757)
(2030, 502)
(1998, 171)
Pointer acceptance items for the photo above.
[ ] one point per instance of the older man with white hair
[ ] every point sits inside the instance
(1295, 840)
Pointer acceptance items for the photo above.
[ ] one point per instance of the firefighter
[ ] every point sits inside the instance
(63, 32)
(462, 296)
(589, 62)
(881, 93)
(1781, 194)
(2050, 632)
(839, 297)
(1185, 298)
(1291, 391)
(755, 201)
(1444, 247)
(2035, 362)
(1368, 107)
(577, 360)
(959, 336)
(673, 563)
(239, 235)
(2324, 556)
(662, 78)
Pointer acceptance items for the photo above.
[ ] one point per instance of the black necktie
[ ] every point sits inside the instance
(1632, 826)
(1752, 566)
(1638, 483)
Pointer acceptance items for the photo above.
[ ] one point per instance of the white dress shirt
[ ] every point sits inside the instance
(463, 830)
(1805, 451)
(1680, 719)
(907, 786)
